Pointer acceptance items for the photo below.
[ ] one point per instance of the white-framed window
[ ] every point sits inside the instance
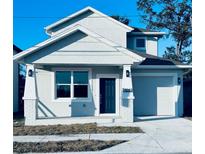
(80, 84)
(140, 43)
(71, 84)
(63, 84)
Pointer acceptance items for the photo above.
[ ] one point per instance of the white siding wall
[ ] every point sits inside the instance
(99, 25)
(152, 46)
(79, 48)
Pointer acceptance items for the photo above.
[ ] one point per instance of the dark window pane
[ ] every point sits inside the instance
(80, 91)
(63, 90)
(140, 43)
(63, 77)
(80, 77)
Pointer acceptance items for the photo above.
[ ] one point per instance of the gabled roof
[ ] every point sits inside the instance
(83, 11)
(71, 31)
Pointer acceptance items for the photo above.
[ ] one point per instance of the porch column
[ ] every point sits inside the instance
(30, 95)
(127, 95)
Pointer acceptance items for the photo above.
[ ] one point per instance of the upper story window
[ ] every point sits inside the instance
(71, 84)
(140, 43)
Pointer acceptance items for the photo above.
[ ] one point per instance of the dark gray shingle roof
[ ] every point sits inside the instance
(137, 29)
(155, 60)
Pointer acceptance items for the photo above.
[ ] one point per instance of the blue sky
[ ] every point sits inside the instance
(31, 16)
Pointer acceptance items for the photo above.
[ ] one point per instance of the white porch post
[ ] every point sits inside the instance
(127, 95)
(30, 95)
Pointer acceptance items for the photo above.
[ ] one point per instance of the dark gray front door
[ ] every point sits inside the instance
(107, 95)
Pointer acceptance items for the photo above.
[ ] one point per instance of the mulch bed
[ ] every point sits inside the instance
(20, 129)
(65, 146)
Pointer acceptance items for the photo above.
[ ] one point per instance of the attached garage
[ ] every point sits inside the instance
(154, 94)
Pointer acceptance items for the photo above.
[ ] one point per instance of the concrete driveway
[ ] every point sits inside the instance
(162, 135)
(167, 135)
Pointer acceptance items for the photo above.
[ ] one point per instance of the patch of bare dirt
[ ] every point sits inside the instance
(71, 129)
(65, 146)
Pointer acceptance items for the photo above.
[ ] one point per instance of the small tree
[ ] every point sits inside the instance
(184, 57)
(172, 15)
(121, 19)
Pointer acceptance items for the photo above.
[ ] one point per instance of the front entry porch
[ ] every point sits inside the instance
(106, 95)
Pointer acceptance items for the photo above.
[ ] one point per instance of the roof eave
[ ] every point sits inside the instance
(148, 33)
(163, 66)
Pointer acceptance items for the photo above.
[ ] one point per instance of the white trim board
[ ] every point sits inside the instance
(67, 100)
(149, 33)
(163, 66)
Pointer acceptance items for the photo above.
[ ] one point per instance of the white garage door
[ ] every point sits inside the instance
(154, 95)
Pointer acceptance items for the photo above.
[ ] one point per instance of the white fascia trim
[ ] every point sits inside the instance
(82, 11)
(110, 18)
(163, 66)
(65, 19)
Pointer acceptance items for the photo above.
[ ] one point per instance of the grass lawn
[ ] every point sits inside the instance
(67, 146)
(20, 129)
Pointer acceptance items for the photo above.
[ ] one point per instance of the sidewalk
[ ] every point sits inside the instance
(103, 137)
(162, 136)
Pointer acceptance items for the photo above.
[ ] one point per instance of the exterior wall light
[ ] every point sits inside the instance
(30, 73)
(179, 80)
(127, 73)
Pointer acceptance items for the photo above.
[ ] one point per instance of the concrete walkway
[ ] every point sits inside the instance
(104, 137)
(162, 135)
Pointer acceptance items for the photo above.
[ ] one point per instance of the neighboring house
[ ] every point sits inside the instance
(187, 89)
(16, 98)
(96, 69)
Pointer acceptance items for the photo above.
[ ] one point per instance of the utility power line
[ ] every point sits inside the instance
(43, 17)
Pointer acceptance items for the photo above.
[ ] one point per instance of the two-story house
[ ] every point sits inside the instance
(96, 69)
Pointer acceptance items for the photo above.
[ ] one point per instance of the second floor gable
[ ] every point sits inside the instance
(123, 35)
(95, 21)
